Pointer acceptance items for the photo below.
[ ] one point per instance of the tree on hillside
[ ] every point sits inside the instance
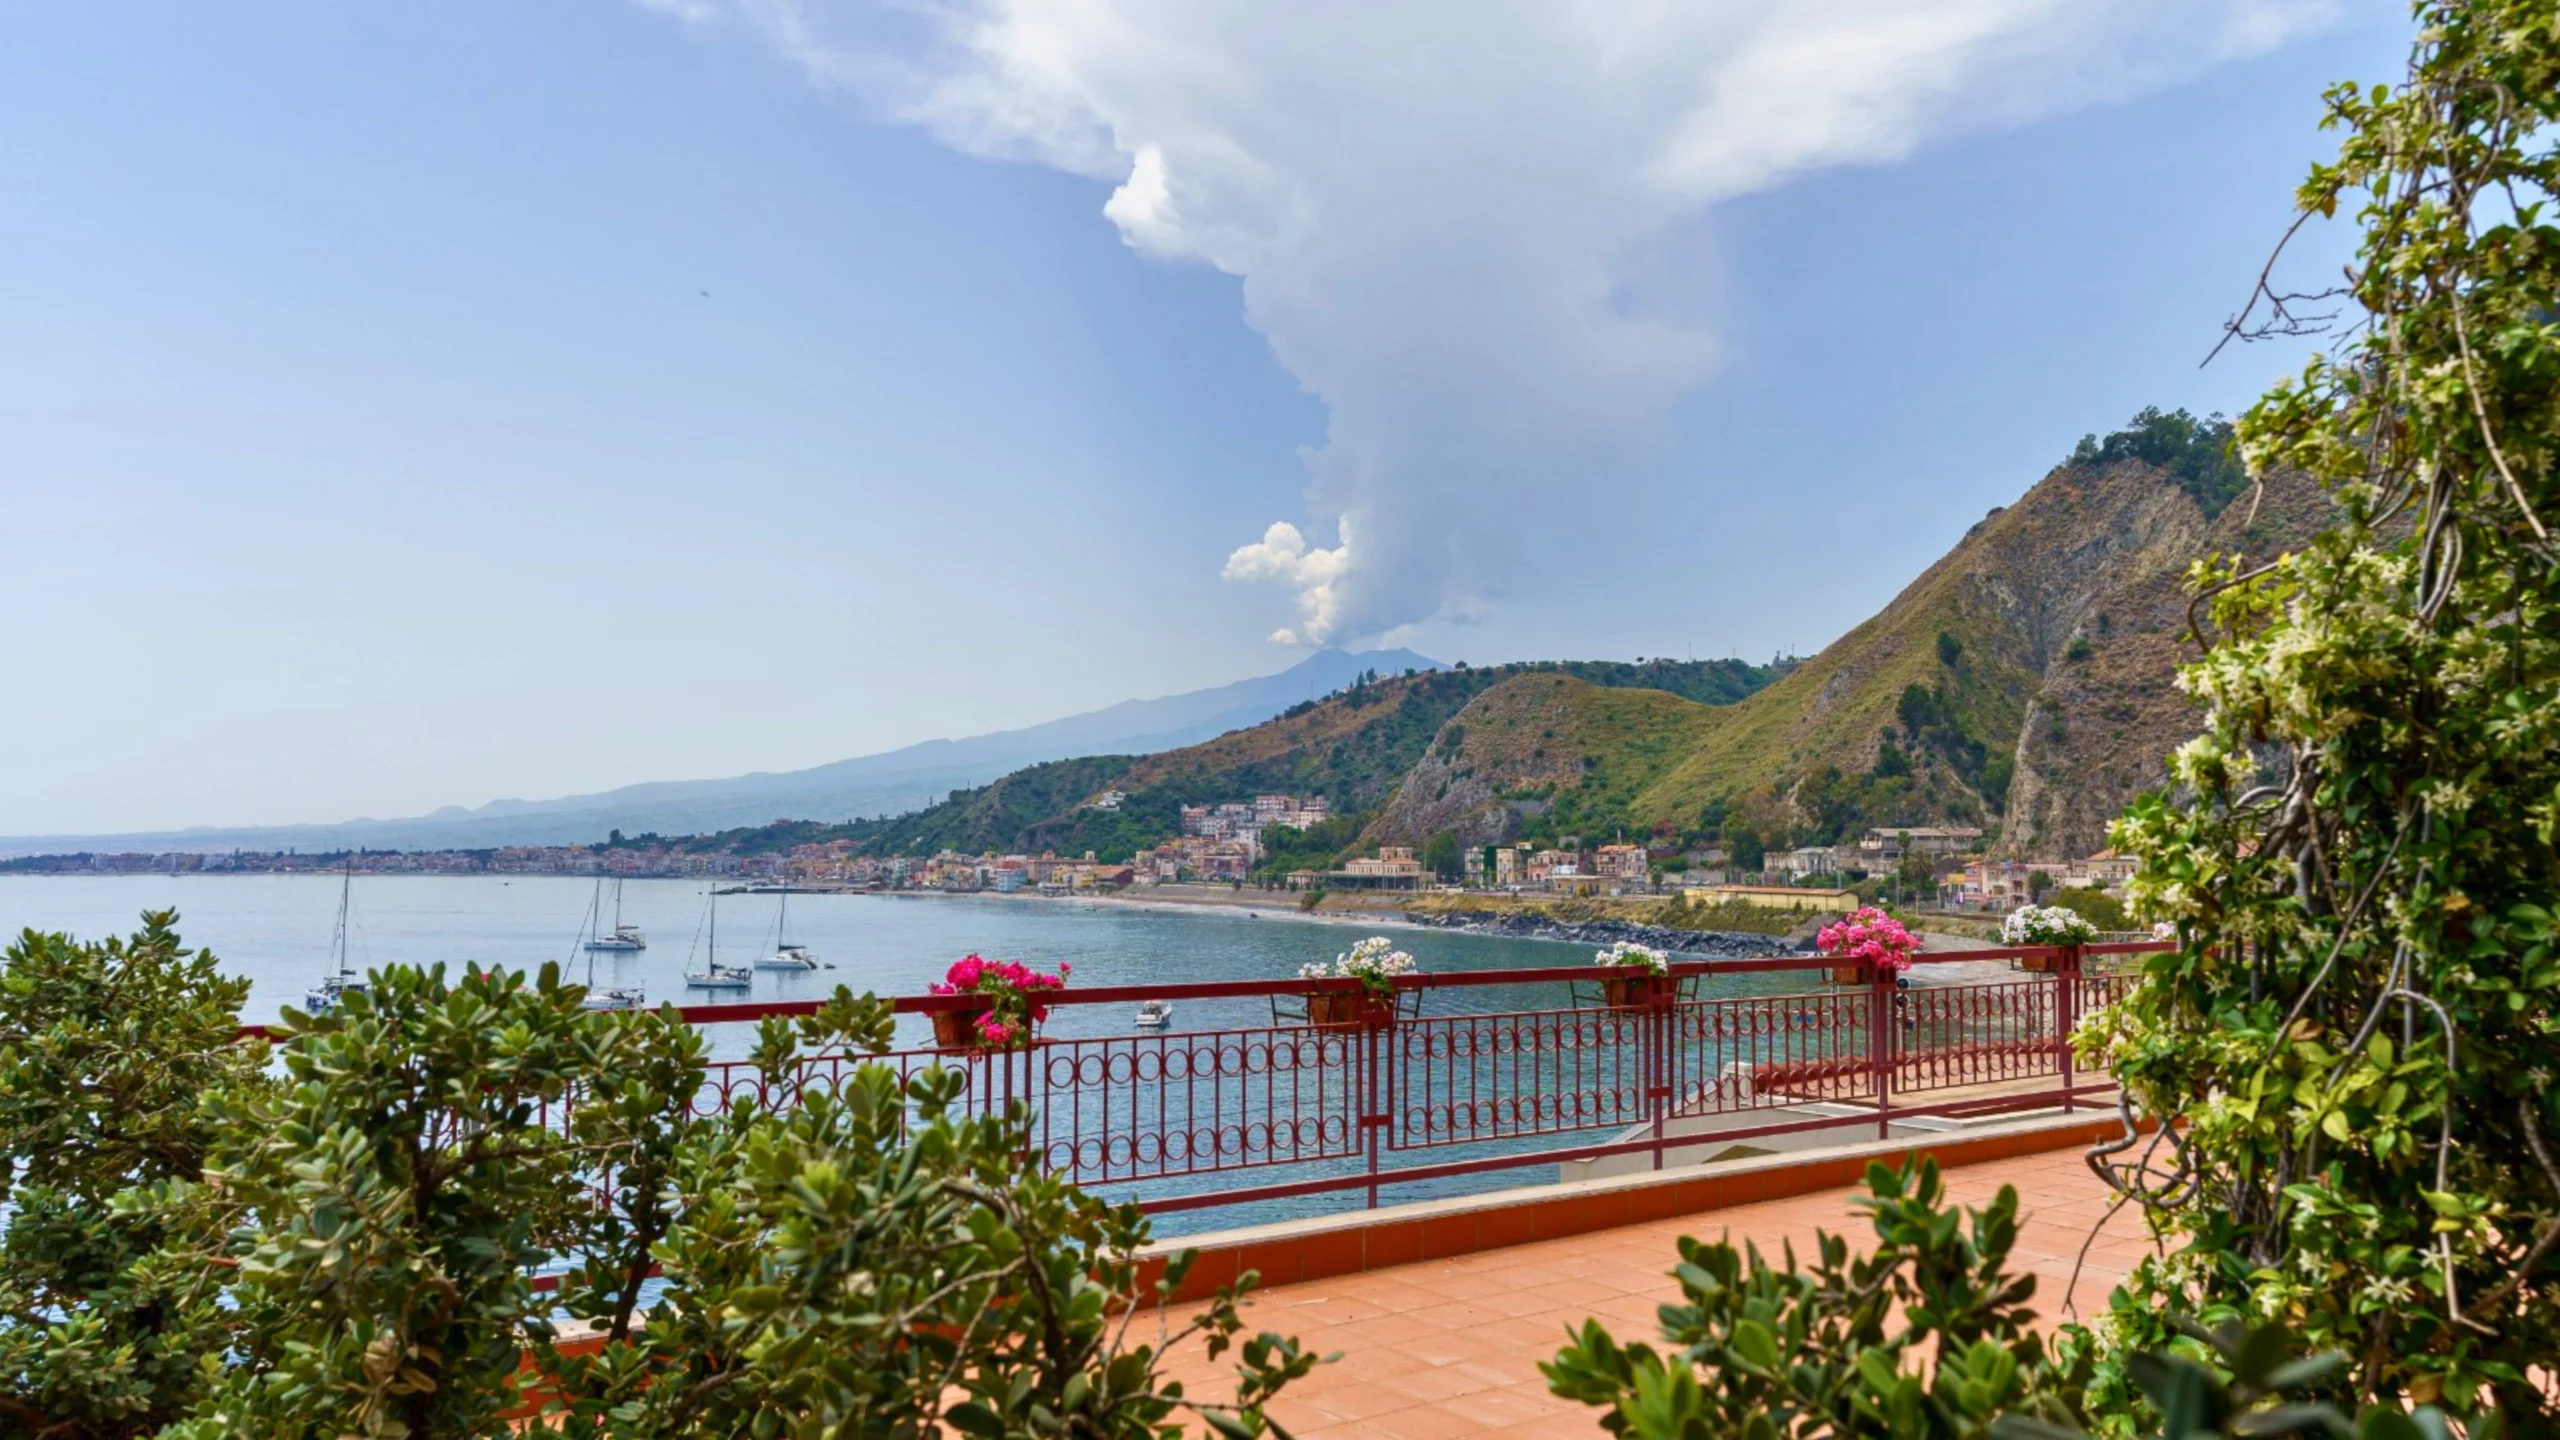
(1440, 856)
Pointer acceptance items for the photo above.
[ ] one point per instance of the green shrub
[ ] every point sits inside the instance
(108, 1284)
(841, 1252)
(2095, 906)
(1929, 1336)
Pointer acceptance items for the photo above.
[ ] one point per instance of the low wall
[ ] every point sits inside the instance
(1314, 1249)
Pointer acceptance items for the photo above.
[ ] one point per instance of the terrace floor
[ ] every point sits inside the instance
(1451, 1347)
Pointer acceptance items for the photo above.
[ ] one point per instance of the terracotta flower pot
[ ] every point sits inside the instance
(957, 1029)
(2036, 963)
(1852, 973)
(1334, 1007)
(1625, 991)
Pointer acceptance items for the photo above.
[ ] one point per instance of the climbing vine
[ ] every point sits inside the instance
(2357, 1027)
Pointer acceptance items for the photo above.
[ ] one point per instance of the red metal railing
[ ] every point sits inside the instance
(1241, 1113)
(1255, 1112)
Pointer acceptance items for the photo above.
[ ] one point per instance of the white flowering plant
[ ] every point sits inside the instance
(2046, 925)
(1374, 962)
(1627, 952)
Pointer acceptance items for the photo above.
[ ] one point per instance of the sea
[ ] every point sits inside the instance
(277, 931)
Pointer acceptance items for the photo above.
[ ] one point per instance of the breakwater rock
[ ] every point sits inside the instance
(1599, 934)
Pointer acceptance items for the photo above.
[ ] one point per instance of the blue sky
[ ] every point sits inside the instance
(369, 442)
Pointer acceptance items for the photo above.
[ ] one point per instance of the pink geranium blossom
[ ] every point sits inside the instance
(1011, 987)
(1870, 935)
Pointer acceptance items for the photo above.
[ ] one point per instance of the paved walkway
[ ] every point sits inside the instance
(1451, 1347)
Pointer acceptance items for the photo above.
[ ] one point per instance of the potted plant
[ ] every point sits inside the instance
(2045, 925)
(1010, 1006)
(1645, 971)
(1374, 962)
(1867, 938)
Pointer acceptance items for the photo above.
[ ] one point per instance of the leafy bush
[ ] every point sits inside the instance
(1757, 1349)
(106, 1301)
(840, 1250)
(398, 1191)
(859, 1257)
(1929, 1336)
(2100, 909)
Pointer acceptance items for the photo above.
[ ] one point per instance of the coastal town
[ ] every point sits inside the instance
(1227, 843)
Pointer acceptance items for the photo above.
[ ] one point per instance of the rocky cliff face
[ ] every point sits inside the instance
(2022, 683)
(2098, 730)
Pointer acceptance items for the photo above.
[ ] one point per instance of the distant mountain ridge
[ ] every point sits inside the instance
(1355, 749)
(890, 783)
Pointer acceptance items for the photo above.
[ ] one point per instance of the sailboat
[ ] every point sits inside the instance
(341, 982)
(609, 997)
(787, 956)
(713, 975)
(624, 937)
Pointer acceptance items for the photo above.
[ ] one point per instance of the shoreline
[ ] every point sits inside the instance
(1281, 907)
(1595, 934)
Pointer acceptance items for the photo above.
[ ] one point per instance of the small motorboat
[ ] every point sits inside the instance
(1153, 1015)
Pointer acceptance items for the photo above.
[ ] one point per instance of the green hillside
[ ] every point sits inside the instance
(1355, 748)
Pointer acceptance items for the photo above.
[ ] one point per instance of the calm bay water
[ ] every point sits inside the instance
(275, 930)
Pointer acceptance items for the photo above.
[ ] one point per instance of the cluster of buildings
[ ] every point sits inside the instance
(1877, 852)
(1565, 869)
(1239, 821)
(1963, 880)
(1221, 843)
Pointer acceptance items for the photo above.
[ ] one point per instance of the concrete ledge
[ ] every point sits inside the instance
(1292, 1251)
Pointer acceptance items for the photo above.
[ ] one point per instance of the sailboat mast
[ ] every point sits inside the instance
(346, 889)
(595, 912)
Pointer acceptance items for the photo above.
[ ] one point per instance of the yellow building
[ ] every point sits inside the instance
(1779, 897)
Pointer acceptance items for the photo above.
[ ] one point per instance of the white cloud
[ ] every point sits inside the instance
(1282, 555)
(1446, 213)
(692, 12)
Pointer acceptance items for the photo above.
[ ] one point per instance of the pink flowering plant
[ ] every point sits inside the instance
(1013, 991)
(1870, 935)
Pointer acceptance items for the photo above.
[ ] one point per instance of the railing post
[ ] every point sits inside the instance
(1376, 1070)
(1653, 1041)
(1880, 1044)
(2066, 1013)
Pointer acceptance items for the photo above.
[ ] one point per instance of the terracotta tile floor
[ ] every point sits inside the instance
(1452, 1347)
